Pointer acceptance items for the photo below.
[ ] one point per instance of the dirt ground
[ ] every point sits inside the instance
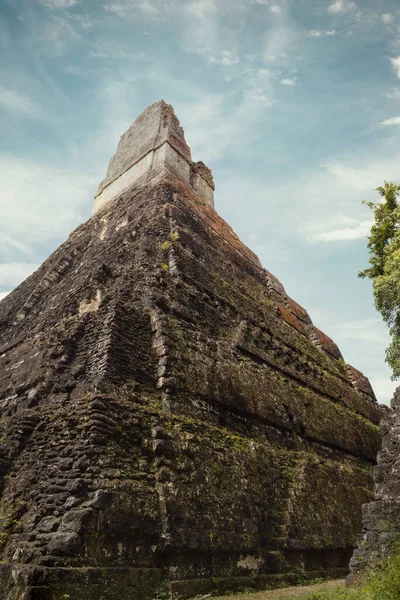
(290, 593)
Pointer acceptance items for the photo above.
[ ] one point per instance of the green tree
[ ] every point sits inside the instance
(384, 269)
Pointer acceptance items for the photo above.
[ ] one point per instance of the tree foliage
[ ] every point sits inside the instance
(384, 269)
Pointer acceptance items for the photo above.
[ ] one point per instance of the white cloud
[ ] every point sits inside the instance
(342, 6)
(322, 205)
(84, 20)
(281, 40)
(258, 95)
(116, 7)
(97, 54)
(11, 274)
(228, 58)
(59, 3)
(394, 94)
(39, 203)
(319, 33)
(231, 121)
(396, 65)
(391, 121)
(14, 102)
(148, 7)
(128, 9)
(3, 295)
(197, 20)
(344, 185)
(289, 81)
(371, 330)
(352, 176)
(275, 9)
(360, 231)
(200, 8)
(109, 49)
(387, 18)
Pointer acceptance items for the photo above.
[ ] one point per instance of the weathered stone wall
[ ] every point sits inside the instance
(170, 419)
(381, 518)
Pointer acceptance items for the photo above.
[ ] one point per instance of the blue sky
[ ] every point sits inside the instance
(294, 105)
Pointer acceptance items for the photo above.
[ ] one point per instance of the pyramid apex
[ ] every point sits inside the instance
(152, 147)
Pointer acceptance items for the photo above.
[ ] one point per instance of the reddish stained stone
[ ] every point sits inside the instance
(299, 311)
(360, 381)
(218, 225)
(292, 319)
(327, 343)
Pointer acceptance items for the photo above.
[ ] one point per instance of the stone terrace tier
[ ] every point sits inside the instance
(171, 420)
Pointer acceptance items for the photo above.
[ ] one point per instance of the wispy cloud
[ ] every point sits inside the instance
(29, 214)
(396, 65)
(372, 330)
(342, 6)
(275, 9)
(319, 33)
(289, 81)
(258, 95)
(200, 8)
(59, 3)
(20, 105)
(360, 231)
(387, 18)
(391, 121)
(129, 8)
(53, 35)
(147, 7)
(118, 8)
(82, 19)
(394, 94)
(97, 54)
(228, 58)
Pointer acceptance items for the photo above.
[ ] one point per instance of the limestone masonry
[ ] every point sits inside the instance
(172, 422)
(152, 147)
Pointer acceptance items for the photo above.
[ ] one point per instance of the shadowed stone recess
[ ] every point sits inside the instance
(171, 420)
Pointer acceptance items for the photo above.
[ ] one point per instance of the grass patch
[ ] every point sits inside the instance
(292, 593)
(382, 583)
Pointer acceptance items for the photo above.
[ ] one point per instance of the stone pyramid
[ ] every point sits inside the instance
(171, 421)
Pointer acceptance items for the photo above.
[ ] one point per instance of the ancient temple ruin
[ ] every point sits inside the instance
(172, 422)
